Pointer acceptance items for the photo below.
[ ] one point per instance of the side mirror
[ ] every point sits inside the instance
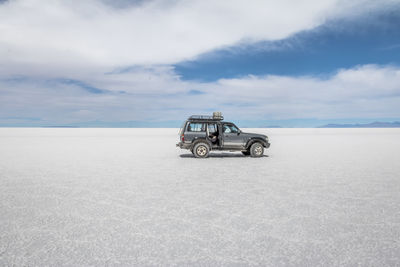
(239, 132)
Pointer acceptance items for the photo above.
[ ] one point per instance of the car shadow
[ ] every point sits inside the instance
(220, 155)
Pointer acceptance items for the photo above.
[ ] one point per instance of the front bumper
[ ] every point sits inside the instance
(267, 144)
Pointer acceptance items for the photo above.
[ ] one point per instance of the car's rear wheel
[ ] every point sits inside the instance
(201, 150)
(256, 150)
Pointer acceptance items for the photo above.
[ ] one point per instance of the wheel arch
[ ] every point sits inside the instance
(255, 140)
(200, 140)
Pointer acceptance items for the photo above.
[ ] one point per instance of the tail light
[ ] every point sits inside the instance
(183, 138)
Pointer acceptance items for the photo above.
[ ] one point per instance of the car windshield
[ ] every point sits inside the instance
(230, 128)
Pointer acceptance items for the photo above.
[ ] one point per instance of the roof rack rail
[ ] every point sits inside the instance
(200, 117)
(217, 116)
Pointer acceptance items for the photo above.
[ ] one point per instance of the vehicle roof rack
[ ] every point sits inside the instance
(217, 116)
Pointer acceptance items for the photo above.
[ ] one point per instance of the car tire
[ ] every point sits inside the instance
(246, 153)
(256, 150)
(201, 150)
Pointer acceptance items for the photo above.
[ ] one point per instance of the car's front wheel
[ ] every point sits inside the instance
(201, 150)
(256, 150)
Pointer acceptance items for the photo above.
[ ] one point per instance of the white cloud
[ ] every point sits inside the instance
(368, 91)
(59, 36)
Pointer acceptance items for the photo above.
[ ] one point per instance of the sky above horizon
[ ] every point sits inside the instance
(126, 63)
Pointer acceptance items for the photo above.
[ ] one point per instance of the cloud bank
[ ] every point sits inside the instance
(157, 94)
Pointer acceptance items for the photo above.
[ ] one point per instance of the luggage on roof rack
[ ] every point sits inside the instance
(217, 115)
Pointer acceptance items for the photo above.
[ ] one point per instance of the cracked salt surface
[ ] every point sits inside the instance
(128, 197)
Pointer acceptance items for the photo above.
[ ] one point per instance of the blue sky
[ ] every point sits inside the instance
(320, 51)
(100, 63)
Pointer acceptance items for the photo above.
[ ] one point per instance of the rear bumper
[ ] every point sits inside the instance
(183, 145)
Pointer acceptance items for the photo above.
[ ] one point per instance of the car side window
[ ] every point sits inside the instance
(212, 128)
(234, 129)
(226, 129)
(196, 127)
(229, 128)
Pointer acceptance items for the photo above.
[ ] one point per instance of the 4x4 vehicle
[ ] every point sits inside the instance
(201, 134)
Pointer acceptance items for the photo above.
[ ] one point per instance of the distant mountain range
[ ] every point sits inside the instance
(376, 124)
